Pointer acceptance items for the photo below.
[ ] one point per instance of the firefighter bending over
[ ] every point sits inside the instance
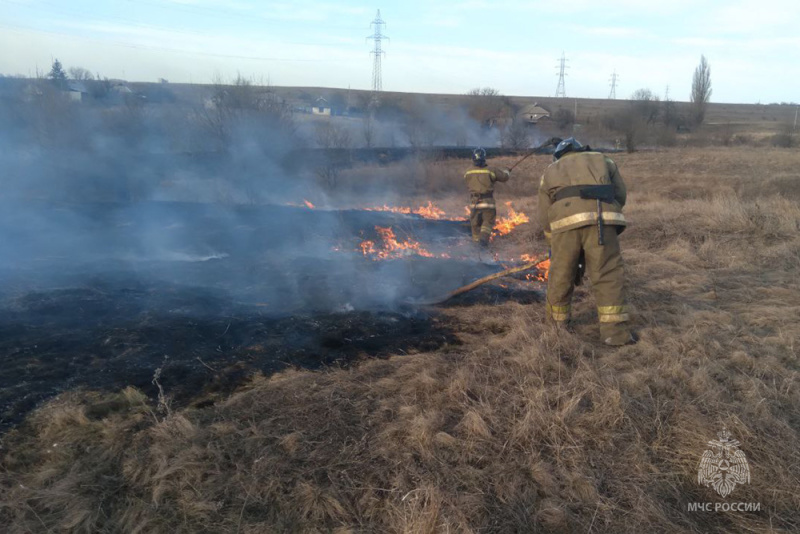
(581, 196)
(483, 210)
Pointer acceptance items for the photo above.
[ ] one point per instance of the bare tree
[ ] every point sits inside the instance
(330, 135)
(368, 129)
(646, 105)
(669, 114)
(80, 74)
(701, 90)
(422, 128)
(483, 91)
(486, 105)
(516, 135)
(627, 122)
(240, 104)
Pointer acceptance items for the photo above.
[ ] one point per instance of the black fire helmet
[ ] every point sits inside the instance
(569, 144)
(479, 156)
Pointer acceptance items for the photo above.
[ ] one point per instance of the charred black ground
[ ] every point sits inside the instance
(104, 307)
(107, 336)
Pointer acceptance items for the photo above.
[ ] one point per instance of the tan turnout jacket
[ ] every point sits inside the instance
(575, 169)
(480, 182)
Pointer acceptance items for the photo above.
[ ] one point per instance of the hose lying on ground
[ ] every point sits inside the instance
(479, 282)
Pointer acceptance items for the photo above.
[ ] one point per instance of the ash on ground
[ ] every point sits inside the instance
(100, 296)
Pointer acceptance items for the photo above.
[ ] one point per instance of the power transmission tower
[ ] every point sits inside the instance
(666, 93)
(614, 78)
(377, 53)
(562, 67)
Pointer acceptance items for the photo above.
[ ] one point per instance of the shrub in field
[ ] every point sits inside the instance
(783, 140)
(743, 140)
(665, 136)
(564, 118)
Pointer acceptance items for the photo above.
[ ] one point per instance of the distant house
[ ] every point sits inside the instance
(77, 91)
(255, 99)
(533, 113)
(321, 107)
(120, 86)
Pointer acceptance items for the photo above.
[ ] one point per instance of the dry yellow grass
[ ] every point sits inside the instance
(521, 429)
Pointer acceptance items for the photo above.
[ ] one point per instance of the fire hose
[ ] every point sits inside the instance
(479, 282)
(553, 141)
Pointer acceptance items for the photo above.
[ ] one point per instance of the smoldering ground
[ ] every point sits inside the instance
(88, 185)
(520, 428)
(135, 236)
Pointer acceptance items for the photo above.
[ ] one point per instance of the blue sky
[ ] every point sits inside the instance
(436, 46)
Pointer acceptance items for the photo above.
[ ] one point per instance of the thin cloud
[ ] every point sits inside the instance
(610, 31)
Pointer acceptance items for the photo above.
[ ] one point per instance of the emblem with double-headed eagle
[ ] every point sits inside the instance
(724, 465)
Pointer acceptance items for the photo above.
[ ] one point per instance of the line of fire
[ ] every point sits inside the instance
(101, 294)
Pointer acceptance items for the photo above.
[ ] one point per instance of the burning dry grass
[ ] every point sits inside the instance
(523, 429)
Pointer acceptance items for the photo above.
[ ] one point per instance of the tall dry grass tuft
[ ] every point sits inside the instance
(522, 428)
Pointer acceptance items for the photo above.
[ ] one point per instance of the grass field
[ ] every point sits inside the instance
(518, 428)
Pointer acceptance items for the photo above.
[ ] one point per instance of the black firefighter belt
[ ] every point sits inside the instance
(482, 201)
(600, 193)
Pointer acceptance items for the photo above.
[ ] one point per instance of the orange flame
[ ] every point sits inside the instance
(544, 269)
(428, 211)
(390, 247)
(504, 225)
(392, 209)
(542, 265)
(308, 204)
(367, 247)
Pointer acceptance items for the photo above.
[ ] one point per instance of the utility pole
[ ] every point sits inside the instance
(614, 78)
(795, 117)
(377, 54)
(562, 67)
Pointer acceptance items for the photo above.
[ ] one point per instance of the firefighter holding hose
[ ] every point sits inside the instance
(581, 196)
(483, 210)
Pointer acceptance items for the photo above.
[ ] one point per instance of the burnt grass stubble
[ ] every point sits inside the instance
(522, 428)
(107, 338)
(107, 324)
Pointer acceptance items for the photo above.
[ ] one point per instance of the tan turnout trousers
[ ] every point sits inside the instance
(483, 210)
(481, 222)
(606, 273)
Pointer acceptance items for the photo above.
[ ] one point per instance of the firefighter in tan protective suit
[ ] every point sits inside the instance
(482, 208)
(581, 196)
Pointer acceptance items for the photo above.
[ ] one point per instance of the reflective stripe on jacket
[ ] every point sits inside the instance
(576, 169)
(480, 182)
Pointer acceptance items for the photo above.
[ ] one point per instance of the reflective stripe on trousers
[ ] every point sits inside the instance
(613, 314)
(604, 268)
(558, 313)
